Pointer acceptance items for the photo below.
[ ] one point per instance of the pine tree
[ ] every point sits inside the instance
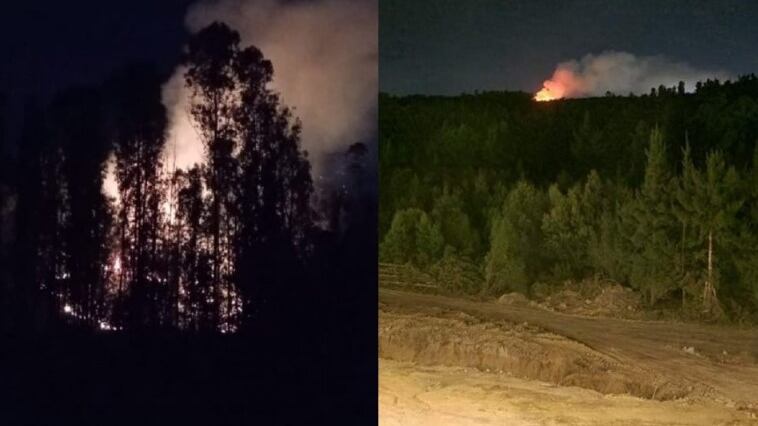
(505, 270)
(565, 234)
(429, 241)
(455, 225)
(587, 146)
(653, 228)
(747, 262)
(609, 248)
(572, 224)
(398, 242)
(516, 257)
(709, 200)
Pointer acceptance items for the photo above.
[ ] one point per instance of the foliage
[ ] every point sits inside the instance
(638, 189)
(652, 227)
(516, 257)
(457, 274)
(205, 249)
(413, 237)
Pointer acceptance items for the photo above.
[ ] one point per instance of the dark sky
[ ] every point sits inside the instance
(454, 46)
(46, 46)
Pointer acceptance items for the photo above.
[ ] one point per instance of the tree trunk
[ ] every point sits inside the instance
(708, 291)
(216, 257)
(681, 262)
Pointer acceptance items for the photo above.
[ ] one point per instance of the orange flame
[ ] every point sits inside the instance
(544, 95)
(564, 83)
(551, 90)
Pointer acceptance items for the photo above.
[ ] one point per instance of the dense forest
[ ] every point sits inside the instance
(493, 192)
(215, 248)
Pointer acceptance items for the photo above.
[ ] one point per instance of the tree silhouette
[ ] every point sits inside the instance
(210, 77)
(709, 201)
(77, 125)
(138, 127)
(5, 191)
(29, 237)
(198, 312)
(214, 248)
(257, 176)
(275, 190)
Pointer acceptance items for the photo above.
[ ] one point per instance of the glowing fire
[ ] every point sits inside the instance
(564, 83)
(551, 90)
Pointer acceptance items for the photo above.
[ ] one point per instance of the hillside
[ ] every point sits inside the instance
(655, 192)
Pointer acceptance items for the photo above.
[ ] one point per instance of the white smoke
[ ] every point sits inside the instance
(621, 73)
(110, 185)
(325, 58)
(183, 148)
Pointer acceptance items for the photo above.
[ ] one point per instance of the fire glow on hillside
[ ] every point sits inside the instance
(557, 87)
(620, 73)
(545, 95)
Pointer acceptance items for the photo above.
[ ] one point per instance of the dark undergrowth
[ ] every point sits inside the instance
(312, 368)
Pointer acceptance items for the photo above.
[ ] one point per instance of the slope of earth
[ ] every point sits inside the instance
(648, 359)
(416, 395)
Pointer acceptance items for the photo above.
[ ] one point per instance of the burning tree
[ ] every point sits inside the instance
(201, 249)
(258, 178)
(139, 123)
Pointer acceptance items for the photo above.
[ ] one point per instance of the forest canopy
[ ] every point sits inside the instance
(657, 192)
(216, 247)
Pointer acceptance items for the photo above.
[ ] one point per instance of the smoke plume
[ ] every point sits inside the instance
(324, 55)
(620, 73)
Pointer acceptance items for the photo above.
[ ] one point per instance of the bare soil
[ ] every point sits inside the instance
(594, 297)
(410, 394)
(707, 371)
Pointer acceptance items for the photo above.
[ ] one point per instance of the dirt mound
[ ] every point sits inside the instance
(519, 350)
(595, 297)
(513, 299)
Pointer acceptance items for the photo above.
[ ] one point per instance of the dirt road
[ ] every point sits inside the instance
(649, 359)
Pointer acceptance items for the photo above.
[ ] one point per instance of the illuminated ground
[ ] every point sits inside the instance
(453, 361)
(416, 395)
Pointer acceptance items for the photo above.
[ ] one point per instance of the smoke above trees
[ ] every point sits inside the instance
(324, 55)
(620, 73)
(205, 248)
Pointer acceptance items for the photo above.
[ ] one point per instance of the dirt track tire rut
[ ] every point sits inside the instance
(641, 358)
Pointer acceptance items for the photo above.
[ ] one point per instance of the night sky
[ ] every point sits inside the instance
(48, 46)
(454, 46)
